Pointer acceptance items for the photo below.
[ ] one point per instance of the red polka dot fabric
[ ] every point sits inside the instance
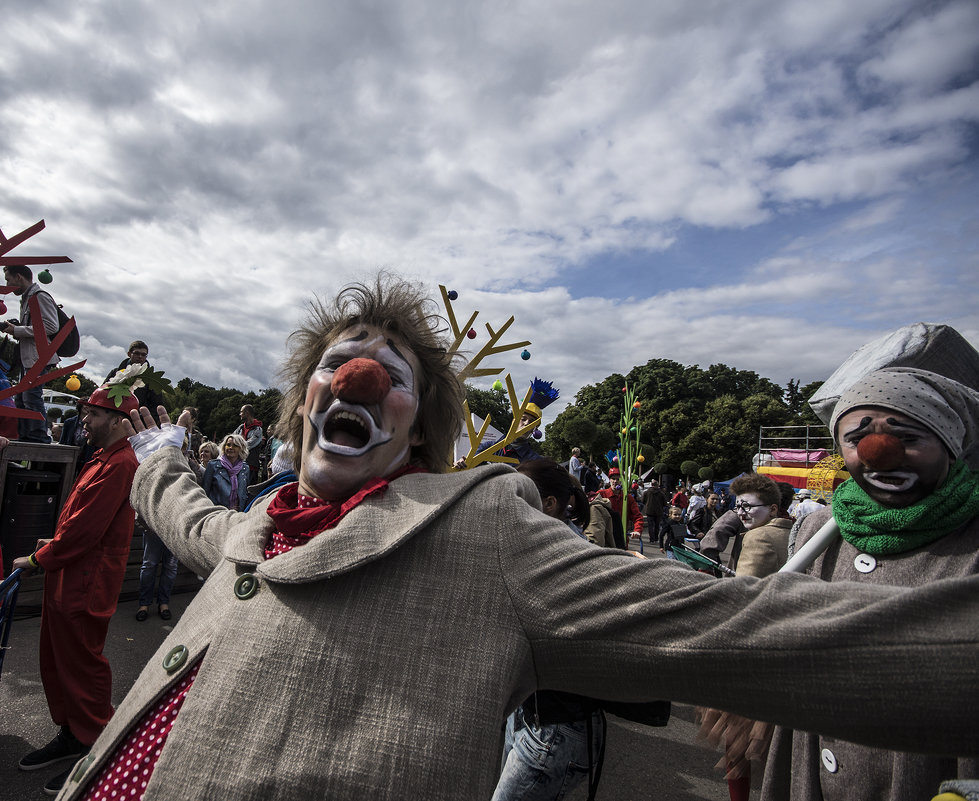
(126, 775)
(281, 543)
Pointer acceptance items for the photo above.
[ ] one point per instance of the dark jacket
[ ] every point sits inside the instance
(146, 396)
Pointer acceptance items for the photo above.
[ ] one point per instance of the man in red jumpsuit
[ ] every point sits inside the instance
(84, 566)
(615, 498)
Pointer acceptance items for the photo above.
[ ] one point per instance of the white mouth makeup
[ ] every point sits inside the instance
(891, 481)
(347, 430)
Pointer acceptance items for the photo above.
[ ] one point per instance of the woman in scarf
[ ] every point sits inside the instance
(226, 478)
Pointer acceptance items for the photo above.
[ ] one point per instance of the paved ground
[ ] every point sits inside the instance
(641, 762)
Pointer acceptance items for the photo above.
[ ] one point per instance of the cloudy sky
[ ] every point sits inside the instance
(768, 184)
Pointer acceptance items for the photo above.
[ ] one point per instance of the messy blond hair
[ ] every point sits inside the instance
(403, 311)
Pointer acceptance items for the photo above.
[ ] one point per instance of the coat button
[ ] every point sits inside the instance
(829, 760)
(865, 563)
(176, 659)
(246, 585)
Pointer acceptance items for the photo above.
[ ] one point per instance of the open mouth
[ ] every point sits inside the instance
(891, 481)
(346, 429)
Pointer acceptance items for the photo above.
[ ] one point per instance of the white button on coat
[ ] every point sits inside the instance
(829, 760)
(865, 563)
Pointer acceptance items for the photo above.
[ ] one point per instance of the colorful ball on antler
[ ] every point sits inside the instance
(453, 295)
(498, 385)
(471, 333)
(636, 405)
(44, 277)
(537, 434)
(640, 458)
(73, 384)
(525, 355)
(3, 307)
(624, 390)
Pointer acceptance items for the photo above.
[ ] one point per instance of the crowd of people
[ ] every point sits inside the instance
(375, 622)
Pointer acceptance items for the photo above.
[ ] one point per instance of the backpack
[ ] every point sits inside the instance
(72, 342)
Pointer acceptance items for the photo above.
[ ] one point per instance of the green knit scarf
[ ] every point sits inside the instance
(880, 530)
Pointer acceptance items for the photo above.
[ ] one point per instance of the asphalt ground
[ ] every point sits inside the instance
(641, 762)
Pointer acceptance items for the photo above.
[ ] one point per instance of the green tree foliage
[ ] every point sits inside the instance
(490, 403)
(218, 409)
(689, 468)
(568, 431)
(799, 406)
(710, 416)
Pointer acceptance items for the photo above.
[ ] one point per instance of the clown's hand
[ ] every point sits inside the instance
(149, 438)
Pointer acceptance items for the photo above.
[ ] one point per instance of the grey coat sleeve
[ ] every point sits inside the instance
(725, 528)
(832, 658)
(166, 494)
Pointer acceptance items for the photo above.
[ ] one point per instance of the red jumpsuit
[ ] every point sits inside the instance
(615, 497)
(84, 567)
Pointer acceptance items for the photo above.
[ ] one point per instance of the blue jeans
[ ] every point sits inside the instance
(544, 763)
(154, 553)
(33, 399)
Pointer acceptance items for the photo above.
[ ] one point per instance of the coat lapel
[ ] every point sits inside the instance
(370, 531)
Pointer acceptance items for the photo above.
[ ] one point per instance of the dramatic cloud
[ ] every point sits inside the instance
(766, 184)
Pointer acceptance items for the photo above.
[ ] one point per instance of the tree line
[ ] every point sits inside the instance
(709, 418)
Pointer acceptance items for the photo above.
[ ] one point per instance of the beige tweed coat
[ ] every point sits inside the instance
(799, 766)
(380, 660)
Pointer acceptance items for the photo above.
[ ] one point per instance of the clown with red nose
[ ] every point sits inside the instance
(909, 516)
(359, 413)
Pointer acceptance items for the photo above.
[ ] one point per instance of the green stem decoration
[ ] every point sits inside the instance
(629, 433)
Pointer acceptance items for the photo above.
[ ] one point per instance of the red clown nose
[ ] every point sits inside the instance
(361, 381)
(881, 451)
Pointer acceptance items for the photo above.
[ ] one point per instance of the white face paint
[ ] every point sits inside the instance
(925, 465)
(753, 511)
(346, 443)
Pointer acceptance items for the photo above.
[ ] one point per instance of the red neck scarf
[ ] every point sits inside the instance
(299, 518)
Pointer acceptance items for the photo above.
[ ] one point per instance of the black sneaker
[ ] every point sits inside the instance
(64, 746)
(53, 786)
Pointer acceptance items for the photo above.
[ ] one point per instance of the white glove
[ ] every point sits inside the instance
(148, 442)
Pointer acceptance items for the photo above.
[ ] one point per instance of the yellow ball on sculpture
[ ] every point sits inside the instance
(73, 384)
(640, 458)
